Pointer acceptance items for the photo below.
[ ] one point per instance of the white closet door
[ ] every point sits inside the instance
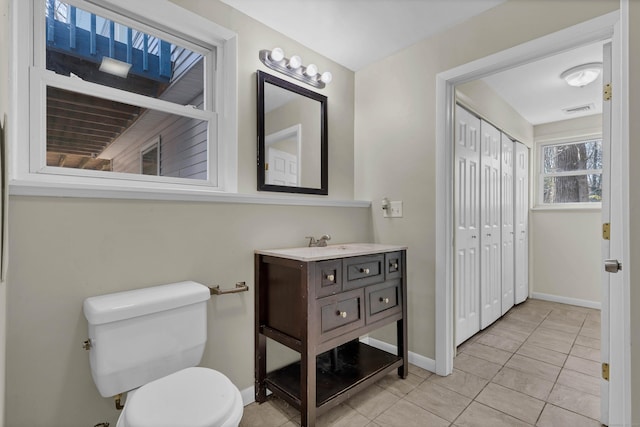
(467, 220)
(508, 266)
(490, 225)
(521, 222)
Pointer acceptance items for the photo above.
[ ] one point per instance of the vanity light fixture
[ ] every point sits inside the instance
(582, 75)
(276, 60)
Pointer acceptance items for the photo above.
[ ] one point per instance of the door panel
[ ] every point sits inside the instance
(521, 242)
(508, 266)
(491, 226)
(467, 218)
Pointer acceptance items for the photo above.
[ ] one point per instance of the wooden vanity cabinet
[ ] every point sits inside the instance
(320, 308)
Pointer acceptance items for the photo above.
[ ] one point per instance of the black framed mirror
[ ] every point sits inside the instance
(292, 137)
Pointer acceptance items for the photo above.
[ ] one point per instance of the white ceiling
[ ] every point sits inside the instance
(356, 33)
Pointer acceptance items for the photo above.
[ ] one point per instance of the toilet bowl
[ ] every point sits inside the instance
(192, 397)
(147, 343)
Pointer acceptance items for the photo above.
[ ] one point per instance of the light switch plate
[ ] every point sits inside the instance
(396, 209)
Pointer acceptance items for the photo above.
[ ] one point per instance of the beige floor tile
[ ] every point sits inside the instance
(568, 316)
(372, 401)
(504, 331)
(398, 386)
(438, 400)
(479, 415)
(554, 334)
(550, 339)
(263, 415)
(342, 416)
(590, 332)
(576, 401)
(422, 373)
(553, 416)
(289, 424)
(540, 369)
(593, 319)
(490, 354)
(560, 326)
(543, 354)
(531, 316)
(591, 323)
(579, 381)
(496, 341)
(524, 383)
(517, 324)
(407, 414)
(461, 382)
(586, 352)
(588, 342)
(585, 366)
(473, 365)
(511, 402)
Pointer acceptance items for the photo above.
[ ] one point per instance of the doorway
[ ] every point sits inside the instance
(598, 29)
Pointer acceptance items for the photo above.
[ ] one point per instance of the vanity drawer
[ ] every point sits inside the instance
(384, 299)
(328, 278)
(393, 265)
(340, 314)
(363, 271)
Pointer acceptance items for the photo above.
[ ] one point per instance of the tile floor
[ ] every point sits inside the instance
(537, 365)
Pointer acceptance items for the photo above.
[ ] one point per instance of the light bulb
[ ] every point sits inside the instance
(311, 70)
(295, 62)
(326, 77)
(277, 54)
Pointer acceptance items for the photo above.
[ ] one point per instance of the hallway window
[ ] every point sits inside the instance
(571, 172)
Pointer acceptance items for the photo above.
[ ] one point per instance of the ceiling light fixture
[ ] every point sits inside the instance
(115, 67)
(582, 75)
(276, 60)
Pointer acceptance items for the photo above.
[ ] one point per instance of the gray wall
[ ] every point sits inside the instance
(395, 133)
(63, 250)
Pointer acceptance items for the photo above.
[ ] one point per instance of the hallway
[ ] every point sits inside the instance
(537, 365)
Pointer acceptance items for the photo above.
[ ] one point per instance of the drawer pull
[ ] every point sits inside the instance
(384, 300)
(330, 277)
(342, 314)
(364, 270)
(394, 265)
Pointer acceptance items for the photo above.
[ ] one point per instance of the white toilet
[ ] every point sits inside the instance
(147, 342)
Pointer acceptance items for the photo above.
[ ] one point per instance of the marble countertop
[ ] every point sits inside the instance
(307, 254)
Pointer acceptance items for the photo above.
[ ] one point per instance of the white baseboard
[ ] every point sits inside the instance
(414, 358)
(248, 394)
(567, 300)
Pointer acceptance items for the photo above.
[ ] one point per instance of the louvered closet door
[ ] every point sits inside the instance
(490, 225)
(467, 219)
(508, 266)
(521, 222)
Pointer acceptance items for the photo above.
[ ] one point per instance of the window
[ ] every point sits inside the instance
(105, 86)
(571, 173)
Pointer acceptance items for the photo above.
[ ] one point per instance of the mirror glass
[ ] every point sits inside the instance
(292, 137)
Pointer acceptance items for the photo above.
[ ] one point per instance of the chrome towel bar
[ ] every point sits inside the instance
(240, 287)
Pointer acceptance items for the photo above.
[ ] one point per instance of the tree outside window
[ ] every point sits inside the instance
(572, 172)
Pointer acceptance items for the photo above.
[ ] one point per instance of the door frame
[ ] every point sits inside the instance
(597, 29)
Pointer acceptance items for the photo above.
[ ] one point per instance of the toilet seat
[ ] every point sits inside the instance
(194, 397)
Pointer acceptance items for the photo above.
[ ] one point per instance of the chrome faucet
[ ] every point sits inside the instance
(321, 242)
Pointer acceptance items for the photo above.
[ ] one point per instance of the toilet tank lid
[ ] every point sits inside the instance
(139, 302)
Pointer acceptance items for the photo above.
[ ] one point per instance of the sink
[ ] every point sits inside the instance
(330, 251)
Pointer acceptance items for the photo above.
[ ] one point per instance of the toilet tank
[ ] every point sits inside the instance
(144, 334)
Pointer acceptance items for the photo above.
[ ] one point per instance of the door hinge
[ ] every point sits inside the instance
(266, 166)
(606, 231)
(607, 92)
(605, 371)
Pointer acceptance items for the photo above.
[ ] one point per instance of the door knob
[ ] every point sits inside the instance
(612, 265)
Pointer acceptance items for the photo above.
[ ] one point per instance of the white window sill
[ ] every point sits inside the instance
(26, 188)
(569, 207)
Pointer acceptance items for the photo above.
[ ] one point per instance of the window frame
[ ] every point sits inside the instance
(163, 19)
(541, 175)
